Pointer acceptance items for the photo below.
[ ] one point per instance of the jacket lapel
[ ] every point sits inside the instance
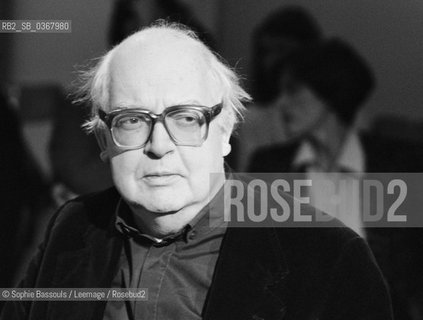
(250, 277)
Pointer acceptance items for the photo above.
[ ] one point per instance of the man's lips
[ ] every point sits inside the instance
(160, 178)
(160, 174)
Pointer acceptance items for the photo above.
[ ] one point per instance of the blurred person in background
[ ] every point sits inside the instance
(323, 89)
(274, 39)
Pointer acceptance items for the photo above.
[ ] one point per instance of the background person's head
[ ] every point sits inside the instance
(274, 40)
(327, 79)
(154, 69)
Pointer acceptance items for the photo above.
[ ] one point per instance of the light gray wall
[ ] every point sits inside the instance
(389, 33)
(52, 57)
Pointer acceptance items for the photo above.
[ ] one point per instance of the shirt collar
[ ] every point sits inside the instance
(352, 155)
(350, 159)
(125, 225)
(305, 155)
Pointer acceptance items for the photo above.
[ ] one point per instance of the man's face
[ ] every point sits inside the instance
(302, 111)
(161, 176)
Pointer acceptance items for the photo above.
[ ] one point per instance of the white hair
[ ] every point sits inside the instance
(94, 83)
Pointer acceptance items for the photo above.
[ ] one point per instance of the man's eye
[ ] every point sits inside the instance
(129, 123)
(186, 119)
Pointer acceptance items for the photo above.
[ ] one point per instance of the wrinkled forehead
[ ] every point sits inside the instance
(165, 70)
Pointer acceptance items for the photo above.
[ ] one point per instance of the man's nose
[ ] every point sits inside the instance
(160, 143)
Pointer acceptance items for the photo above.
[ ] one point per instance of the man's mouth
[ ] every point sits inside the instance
(160, 178)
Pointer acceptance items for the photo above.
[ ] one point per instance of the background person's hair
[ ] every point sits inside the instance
(292, 25)
(335, 72)
(94, 83)
(289, 22)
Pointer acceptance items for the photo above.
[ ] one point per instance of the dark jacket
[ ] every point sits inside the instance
(398, 251)
(261, 273)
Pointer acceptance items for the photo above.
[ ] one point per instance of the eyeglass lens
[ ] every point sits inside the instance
(186, 127)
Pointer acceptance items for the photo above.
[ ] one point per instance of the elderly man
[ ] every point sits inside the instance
(164, 107)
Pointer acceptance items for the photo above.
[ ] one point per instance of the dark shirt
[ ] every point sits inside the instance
(177, 272)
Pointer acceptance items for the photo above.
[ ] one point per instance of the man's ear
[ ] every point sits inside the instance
(101, 136)
(226, 146)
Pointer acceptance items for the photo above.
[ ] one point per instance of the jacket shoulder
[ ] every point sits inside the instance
(76, 217)
(96, 207)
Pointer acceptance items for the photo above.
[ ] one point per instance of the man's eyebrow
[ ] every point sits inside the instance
(127, 106)
(192, 101)
(134, 105)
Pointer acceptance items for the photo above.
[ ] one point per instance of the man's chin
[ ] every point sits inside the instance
(159, 207)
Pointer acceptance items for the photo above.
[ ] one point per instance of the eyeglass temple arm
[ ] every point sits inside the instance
(216, 110)
(102, 115)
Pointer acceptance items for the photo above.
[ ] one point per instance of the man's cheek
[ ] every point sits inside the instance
(124, 178)
(124, 164)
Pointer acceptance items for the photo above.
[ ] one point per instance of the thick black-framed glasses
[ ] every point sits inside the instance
(187, 125)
